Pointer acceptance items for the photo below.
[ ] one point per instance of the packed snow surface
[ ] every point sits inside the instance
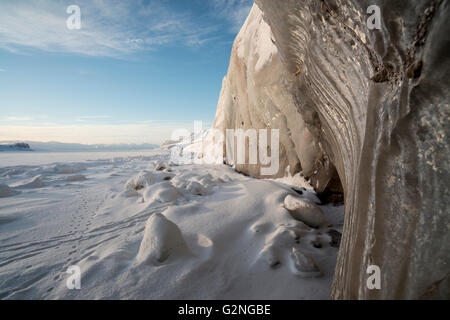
(139, 227)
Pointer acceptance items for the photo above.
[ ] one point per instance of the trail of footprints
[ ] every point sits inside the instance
(80, 224)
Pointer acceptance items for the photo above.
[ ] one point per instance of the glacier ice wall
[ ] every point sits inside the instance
(372, 105)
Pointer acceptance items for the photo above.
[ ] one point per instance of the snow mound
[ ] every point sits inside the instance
(34, 183)
(140, 181)
(163, 176)
(162, 239)
(161, 192)
(196, 184)
(68, 168)
(196, 188)
(181, 211)
(303, 265)
(277, 242)
(129, 193)
(77, 177)
(5, 191)
(304, 210)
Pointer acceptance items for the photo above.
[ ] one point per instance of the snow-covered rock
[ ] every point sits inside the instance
(140, 181)
(161, 192)
(304, 210)
(162, 238)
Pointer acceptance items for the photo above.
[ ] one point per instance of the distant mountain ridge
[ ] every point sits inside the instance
(20, 146)
(62, 147)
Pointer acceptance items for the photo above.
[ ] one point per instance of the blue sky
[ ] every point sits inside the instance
(135, 71)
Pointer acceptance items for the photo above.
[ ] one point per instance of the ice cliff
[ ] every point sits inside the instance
(363, 111)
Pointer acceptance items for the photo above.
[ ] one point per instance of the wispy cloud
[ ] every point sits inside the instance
(2, 70)
(108, 28)
(235, 11)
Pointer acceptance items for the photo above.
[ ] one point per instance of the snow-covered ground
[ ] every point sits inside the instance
(140, 228)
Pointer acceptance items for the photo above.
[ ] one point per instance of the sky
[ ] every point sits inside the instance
(133, 73)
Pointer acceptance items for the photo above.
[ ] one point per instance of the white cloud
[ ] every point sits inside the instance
(108, 28)
(235, 11)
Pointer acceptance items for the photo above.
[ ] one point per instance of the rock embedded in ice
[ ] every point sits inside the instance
(5, 191)
(304, 210)
(304, 265)
(162, 238)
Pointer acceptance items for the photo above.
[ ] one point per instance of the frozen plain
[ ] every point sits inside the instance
(140, 227)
